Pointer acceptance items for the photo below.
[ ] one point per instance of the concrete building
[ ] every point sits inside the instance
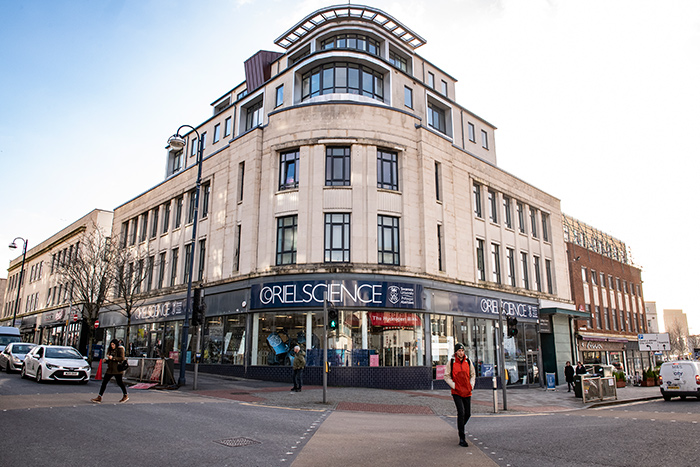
(652, 317)
(676, 318)
(46, 313)
(607, 287)
(343, 166)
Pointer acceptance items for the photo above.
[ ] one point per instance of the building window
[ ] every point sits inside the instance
(440, 241)
(241, 176)
(614, 319)
(206, 193)
(538, 277)
(176, 161)
(496, 262)
(242, 94)
(253, 116)
(166, 217)
(598, 324)
(533, 221)
(132, 235)
(237, 248)
(438, 185)
(204, 141)
(526, 277)
(493, 206)
(387, 170)
(342, 78)
(594, 277)
(617, 282)
(545, 226)
(191, 196)
(227, 126)
(173, 266)
(436, 118)
(408, 97)
(178, 211)
(480, 266)
(521, 216)
(484, 139)
(286, 240)
(606, 318)
(602, 279)
(202, 257)
(548, 271)
(125, 237)
(476, 189)
(510, 258)
(443, 88)
(149, 273)
(154, 222)
(217, 133)
(507, 216)
(398, 61)
(472, 132)
(337, 166)
(431, 80)
(279, 99)
(584, 274)
(188, 263)
(193, 150)
(352, 41)
(143, 233)
(388, 240)
(289, 170)
(337, 238)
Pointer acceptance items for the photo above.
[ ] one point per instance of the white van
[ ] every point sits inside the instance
(680, 378)
(8, 335)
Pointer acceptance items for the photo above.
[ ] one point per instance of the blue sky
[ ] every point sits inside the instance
(595, 102)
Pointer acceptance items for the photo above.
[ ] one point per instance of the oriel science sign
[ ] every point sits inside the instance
(350, 293)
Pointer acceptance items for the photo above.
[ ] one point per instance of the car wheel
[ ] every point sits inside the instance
(667, 398)
(38, 375)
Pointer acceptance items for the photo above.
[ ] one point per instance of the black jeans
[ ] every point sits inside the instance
(570, 385)
(106, 379)
(298, 374)
(464, 411)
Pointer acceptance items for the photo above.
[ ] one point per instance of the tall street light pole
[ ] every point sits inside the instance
(177, 142)
(21, 275)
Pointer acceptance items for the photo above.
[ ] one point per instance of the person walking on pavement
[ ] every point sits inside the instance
(580, 369)
(115, 354)
(569, 375)
(460, 376)
(298, 366)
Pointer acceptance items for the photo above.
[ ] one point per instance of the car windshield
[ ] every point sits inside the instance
(21, 348)
(4, 340)
(62, 353)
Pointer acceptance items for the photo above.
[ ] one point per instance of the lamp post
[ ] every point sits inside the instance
(177, 142)
(21, 275)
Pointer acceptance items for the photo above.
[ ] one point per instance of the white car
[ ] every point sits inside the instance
(680, 378)
(12, 357)
(55, 363)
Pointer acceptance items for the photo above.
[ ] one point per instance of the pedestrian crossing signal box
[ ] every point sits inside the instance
(332, 318)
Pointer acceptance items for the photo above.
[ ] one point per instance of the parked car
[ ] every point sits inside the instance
(12, 358)
(8, 335)
(680, 379)
(55, 363)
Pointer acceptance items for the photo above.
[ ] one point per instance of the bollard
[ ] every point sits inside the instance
(494, 382)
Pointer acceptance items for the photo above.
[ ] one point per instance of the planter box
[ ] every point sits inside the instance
(620, 383)
(648, 382)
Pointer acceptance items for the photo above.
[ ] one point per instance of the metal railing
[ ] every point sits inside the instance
(151, 370)
(596, 388)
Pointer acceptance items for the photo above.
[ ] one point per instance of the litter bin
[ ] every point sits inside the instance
(578, 386)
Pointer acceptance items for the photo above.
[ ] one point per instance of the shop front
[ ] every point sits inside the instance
(602, 350)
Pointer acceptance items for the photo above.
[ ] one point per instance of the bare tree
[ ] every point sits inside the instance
(132, 272)
(693, 343)
(677, 339)
(89, 274)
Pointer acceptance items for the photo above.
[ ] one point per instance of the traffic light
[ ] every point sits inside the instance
(332, 318)
(512, 326)
(198, 307)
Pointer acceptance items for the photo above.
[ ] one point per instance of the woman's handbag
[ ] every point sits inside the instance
(123, 365)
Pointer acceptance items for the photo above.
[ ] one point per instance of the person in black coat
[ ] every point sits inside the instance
(580, 369)
(569, 375)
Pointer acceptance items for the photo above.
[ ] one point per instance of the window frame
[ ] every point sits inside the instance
(279, 95)
(344, 159)
(387, 161)
(390, 225)
(284, 255)
(289, 158)
(336, 223)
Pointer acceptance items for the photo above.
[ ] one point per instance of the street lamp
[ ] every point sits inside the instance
(177, 142)
(21, 275)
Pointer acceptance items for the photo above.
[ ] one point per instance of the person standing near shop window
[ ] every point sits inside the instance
(569, 375)
(460, 376)
(298, 366)
(115, 354)
(580, 369)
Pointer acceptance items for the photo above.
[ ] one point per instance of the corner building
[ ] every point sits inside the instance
(344, 166)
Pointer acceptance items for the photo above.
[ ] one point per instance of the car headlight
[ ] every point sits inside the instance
(51, 367)
(87, 368)
(16, 360)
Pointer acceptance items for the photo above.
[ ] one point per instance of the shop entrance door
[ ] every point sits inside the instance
(533, 367)
(155, 343)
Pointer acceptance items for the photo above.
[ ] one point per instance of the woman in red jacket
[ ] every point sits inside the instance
(460, 376)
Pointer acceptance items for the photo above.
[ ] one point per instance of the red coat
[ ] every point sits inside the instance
(460, 376)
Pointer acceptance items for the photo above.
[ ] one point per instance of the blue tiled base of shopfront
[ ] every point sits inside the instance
(416, 377)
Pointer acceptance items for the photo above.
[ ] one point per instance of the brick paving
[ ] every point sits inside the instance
(384, 408)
